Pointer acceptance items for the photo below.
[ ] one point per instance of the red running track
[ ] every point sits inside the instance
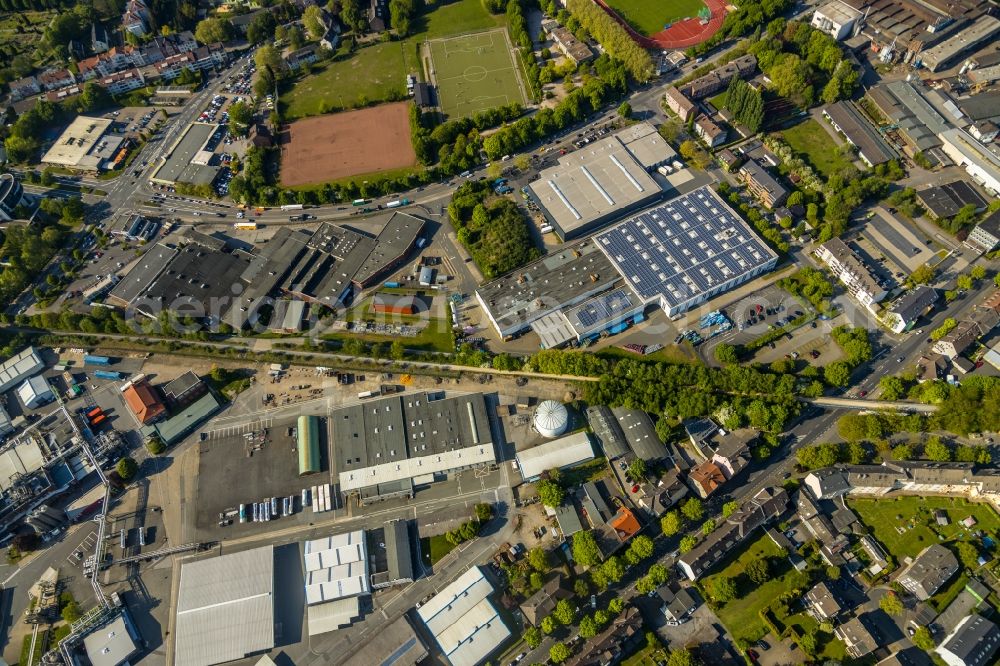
(680, 35)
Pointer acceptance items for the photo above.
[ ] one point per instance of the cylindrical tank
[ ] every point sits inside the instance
(551, 418)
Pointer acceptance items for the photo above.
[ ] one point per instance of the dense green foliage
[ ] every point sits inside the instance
(746, 103)
(748, 17)
(811, 284)
(454, 146)
(491, 228)
(615, 40)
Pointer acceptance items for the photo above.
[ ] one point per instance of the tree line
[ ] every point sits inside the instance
(746, 103)
(613, 37)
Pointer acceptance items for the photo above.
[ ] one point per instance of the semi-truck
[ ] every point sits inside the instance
(368, 394)
(397, 203)
(108, 374)
(96, 360)
(359, 202)
(288, 207)
(245, 226)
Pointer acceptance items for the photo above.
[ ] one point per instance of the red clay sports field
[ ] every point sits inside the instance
(680, 35)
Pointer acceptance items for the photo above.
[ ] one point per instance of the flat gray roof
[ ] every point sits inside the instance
(75, 143)
(391, 245)
(113, 643)
(640, 433)
(225, 608)
(685, 250)
(592, 185)
(947, 199)
(859, 132)
(646, 145)
(20, 366)
(560, 279)
(143, 274)
(178, 166)
(401, 427)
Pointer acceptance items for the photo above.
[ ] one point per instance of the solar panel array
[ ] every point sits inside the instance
(608, 307)
(680, 250)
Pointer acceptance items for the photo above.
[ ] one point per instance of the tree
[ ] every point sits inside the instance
(625, 110)
(935, 449)
(729, 508)
(616, 606)
(708, 527)
(533, 637)
(267, 57)
(126, 468)
(538, 559)
(155, 444)
(261, 29)
(852, 427)
(923, 639)
(240, 117)
(891, 604)
(726, 353)
(588, 627)
(613, 569)
(585, 550)
(564, 612)
(312, 19)
(837, 373)
(723, 589)
(892, 387)
(559, 653)
(963, 282)
(977, 272)
(580, 587)
(642, 546)
(548, 625)
(968, 554)
(213, 30)
(550, 493)
(682, 657)
(693, 509)
(397, 350)
(758, 571)
(833, 572)
(637, 470)
(671, 523)
(71, 611)
(923, 275)
(687, 543)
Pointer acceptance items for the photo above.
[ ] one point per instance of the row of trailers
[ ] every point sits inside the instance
(280, 507)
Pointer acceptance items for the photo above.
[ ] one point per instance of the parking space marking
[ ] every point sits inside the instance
(87, 545)
(240, 428)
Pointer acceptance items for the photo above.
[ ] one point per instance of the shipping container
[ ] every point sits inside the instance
(255, 512)
(315, 499)
(94, 412)
(367, 394)
(274, 507)
(107, 374)
(245, 226)
(96, 360)
(391, 285)
(98, 421)
(305, 498)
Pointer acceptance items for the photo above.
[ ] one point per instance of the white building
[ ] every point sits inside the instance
(980, 163)
(11, 195)
(336, 567)
(35, 392)
(836, 19)
(560, 453)
(463, 621)
(852, 271)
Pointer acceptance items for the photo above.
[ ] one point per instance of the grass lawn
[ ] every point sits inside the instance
(375, 73)
(649, 17)
(434, 548)
(914, 518)
(741, 616)
(948, 593)
(832, 647)
(378, 73)
(719, 101)
(647, 656)
(437, 336)
(475, 72)
(816, 145)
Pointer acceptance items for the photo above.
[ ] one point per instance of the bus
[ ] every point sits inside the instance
(245, 226)
(359, 202)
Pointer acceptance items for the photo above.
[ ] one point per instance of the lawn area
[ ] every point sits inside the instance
(905, 525)
(374, 74)
(742, 615)
(833, 648)
(437, 336)
(378, 73)
(719, 101)
(434, 548)
(647, 656)
(816, 146)
(650, 17)
(475, 72)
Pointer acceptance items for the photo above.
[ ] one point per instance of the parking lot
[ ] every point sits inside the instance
(136, 119)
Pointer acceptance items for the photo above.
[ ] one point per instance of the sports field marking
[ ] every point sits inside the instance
(475, 72)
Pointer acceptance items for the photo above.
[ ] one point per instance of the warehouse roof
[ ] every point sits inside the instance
(142, 399)
(859, 132)
(646, 145)
(463, 621)
(591, 184)
(77, 140)
(398, 553)
(939, 55)
(640, 433)
(558, 453)
(23, 458)
(401, 437)
(397, 645)
(177, 426)
(179, 166)
(393, 242)
(947, 199)
(603, 310)
(19, 366)
(904, 104)
(332, 615)
(336, 567)
(561, 278)
(682, 249)
(225, 608)
(608, 431)
(142, 275)
(113, 643)
(983, 106)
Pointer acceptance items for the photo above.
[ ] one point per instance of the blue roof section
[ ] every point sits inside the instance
(603, 309)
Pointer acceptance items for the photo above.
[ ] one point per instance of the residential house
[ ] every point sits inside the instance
(259, 136)
(986, 235)
(930, 368)
(764, 507)
(719, 78)
(732, 455)
(974, 642)
(709, 132)
(984, 130)
(25, 87)
(304, 56)
(958, 340)
(53, 79)
(99, 39)
(379, 19)
(856, 637)
(730, 161)
(616, 640)
(860, 280)
(568, 44)
(930, 569)
(137, 18)
(541, 604)
(122, 82)
(706, 478)
(821, 602)
(762, 185)
(821, 527)
(914, 304)
(676, 605)
(679, 104)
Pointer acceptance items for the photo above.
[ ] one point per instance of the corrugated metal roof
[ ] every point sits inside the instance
(225, 608)
(324, 618)
(563, 452)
